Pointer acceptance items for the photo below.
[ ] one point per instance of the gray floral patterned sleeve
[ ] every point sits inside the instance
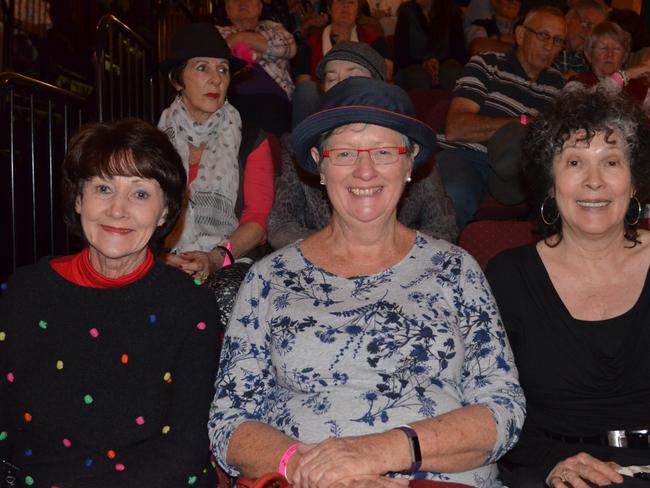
(317, 356)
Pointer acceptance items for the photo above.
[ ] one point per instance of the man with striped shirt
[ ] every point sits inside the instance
(494, 90)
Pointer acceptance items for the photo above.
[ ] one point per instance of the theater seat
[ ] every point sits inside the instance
(486, 238)
(425, 100)
(490, 209)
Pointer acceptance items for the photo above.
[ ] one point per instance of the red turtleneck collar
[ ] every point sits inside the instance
(78, 269)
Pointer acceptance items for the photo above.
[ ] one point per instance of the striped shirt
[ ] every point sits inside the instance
(499, 85)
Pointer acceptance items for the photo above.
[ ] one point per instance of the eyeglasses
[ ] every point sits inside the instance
(344, 156)
(544, 37)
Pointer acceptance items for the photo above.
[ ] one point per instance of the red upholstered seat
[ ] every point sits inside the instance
(490, 209)
(425, 100)
(437, 116)
(486, 238)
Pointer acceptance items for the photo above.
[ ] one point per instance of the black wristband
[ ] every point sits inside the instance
(414, 442)
(227, 253)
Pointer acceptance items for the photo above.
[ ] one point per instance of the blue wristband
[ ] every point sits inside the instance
(414, 442)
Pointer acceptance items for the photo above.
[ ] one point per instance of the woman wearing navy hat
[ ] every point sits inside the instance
(230, 172)
(367, 354)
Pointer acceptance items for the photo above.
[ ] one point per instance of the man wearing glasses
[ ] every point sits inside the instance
(581, 19)
(494, 90)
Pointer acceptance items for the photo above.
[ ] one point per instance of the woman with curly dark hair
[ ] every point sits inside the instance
(576, 305)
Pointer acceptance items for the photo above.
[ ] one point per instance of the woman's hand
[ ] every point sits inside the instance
(577, 470)
(197, 264)
(641, 70)
(432, 66)
(334, 460)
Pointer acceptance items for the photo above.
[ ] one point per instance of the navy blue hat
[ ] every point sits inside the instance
(199, 40)
(365, 100)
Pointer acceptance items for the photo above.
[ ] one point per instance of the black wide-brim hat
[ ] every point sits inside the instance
(362, 100)
(199, 40)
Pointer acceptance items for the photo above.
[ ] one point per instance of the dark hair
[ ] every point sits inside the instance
(592, 111)
(542, 9)
(176, 74)
(582, 5)
(330, 2)
(129, 147)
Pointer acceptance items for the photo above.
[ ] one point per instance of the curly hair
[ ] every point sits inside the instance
(592, 111)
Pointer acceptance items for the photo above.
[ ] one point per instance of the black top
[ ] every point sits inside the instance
(416, 39)
(581, 378)
(107, 387)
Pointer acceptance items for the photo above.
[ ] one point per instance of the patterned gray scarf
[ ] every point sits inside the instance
(208, 216)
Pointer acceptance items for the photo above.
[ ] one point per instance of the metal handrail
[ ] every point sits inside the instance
(9, 79)
(124, 72)
(109, 20)
(36, 120)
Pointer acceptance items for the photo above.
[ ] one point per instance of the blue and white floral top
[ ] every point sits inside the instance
(316, 355)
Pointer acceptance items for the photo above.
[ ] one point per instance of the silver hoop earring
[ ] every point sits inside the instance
(408, 179)
(541, 211)
(639, 211)
(322, 180)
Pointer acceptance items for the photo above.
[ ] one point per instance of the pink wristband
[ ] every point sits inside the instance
(284, 460)
(226, 258)
(618, 79)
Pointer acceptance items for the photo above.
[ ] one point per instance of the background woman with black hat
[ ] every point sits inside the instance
(230, 173)
(339, 340)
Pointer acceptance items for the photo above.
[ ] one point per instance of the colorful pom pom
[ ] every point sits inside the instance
(66, 442)
(166, 429)
(28, 417)
(94, 333)
(139, 420)
(3, 336)
(200, 326)
(42, 324)
(124, 359)
(110, 454)
(88, 399)
(59, 365)
(120, 467)
(10, 377)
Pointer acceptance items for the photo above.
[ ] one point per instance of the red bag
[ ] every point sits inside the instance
(269, 480)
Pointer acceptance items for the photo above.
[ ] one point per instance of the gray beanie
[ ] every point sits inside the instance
(355, 52)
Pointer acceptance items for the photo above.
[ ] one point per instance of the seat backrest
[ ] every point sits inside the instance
(486, 238)
(424, 100)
